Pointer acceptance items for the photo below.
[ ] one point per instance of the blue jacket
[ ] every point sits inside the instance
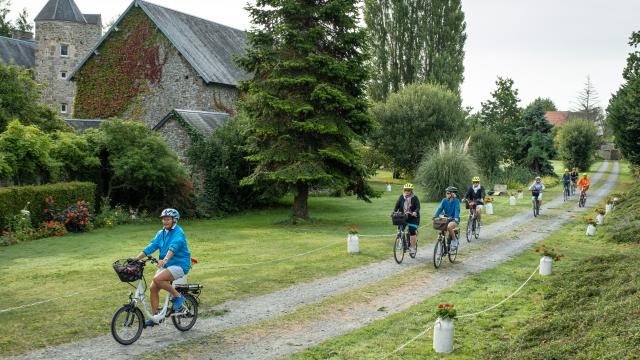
(175, 241)
(451, 208)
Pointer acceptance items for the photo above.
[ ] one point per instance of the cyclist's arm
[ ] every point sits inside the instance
(542, 187)
(153, 245)
(456, 211)
(417, 209)
(439, 209)
(483, 193)
(398, 206)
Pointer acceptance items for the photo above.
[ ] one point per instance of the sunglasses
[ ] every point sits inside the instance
(448, 193)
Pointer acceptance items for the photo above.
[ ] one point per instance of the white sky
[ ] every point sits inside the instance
(547, 47)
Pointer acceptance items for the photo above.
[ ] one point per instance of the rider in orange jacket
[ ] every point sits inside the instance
(584, 183)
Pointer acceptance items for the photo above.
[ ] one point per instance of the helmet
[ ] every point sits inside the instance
(452, 189)
(566, 170)
(476, 179)
(170, 212)
(585, 174)
(408, 186)
(538, 177)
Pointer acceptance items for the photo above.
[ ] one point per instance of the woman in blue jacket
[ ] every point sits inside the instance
(175, 258)
(450, 206)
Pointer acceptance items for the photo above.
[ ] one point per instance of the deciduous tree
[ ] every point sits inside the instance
(502, 115)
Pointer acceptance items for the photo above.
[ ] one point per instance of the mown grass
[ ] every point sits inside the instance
(75, 270)
(588, 309)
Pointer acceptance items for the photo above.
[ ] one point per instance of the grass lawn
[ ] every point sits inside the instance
(76, 272)
(587, 309)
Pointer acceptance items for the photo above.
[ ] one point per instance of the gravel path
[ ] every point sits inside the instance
(472, 258)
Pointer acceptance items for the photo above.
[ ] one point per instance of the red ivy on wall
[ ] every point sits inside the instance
(129, 61)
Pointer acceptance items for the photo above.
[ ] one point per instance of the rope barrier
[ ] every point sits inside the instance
(466, 315)
(49, 300)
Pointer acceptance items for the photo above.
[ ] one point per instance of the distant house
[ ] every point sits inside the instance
(559, 118)
(182, 127)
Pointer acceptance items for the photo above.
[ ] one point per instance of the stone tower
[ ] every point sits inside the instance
(63, 37)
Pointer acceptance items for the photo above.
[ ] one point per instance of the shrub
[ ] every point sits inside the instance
(576, 143)
(25, 149)
(74, 156)
(514, 177)
(550, 181)
(485, 148)
(15, 198)
(414, 120)
(448, 165)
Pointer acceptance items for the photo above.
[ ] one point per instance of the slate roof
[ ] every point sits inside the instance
(61, 10)
(207, 46)
(84, 124)
(23, 53)
(93, 18)
(204, 122)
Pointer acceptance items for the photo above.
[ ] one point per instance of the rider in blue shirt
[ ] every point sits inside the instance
(175, 258)
(450, 206)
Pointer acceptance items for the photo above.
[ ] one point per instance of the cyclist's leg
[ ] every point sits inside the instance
(479, 211)
(451, 226)
(413, 236)
(163, 280)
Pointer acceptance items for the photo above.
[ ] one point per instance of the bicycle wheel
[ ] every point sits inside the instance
(413, 256)
(398, 249)
(470, 228)
(566, 194)
(186, 321)
(127, 324)
(476, 228)
(438, 252)
(537, 207)
(534, 208)
(454, 253)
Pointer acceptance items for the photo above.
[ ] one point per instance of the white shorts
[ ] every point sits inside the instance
(479, 206)
(176, 272)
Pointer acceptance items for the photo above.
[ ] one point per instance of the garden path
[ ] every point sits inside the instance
(498, 241)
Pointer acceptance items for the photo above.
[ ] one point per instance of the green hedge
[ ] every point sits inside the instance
(14, 198)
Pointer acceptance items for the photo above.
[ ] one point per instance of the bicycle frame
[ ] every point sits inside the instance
(140, 297)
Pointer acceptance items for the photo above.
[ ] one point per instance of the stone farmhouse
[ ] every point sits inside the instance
(173, 71)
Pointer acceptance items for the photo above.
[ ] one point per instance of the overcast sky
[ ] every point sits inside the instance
(548, 47)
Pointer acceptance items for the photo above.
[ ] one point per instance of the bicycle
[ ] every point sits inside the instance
(128, 321)
(583, 198)
(442, 247)
(402, 242)
(536, 202)
(473, 223)
(566, 191)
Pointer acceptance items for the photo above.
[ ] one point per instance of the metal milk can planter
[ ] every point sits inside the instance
(599, 219)
(546, 265)
(608, 208)
(591, 229)
(489, 208)
(443, 335)
(353, 243)
(512, 200)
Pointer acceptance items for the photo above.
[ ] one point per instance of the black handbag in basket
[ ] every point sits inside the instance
(399, 218)
(128, 270)
(440, 223)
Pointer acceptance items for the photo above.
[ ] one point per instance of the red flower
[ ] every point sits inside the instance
(440, 306)
(537, 250)
(194, 261)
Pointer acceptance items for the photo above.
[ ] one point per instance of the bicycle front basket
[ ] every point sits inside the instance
(440, 223)
(128, 270)
(398, 218)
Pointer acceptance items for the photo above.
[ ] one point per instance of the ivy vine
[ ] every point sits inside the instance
(126, 64)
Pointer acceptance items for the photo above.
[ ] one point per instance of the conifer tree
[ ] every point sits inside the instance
(306, 100)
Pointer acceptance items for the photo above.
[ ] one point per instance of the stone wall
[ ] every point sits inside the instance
(180, 87)
(177, 138)
(80, 38)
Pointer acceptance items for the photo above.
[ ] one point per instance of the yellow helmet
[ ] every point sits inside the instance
(585, 174)
(476, 179)
(408, 186)
(566, 170)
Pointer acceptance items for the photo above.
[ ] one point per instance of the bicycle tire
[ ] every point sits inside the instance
(190, 318)
(438, 252)
(537, 207)
(398, 249)
(470, 223)
(534, 208)
(476, 228)
(413, 256)
(134, 321)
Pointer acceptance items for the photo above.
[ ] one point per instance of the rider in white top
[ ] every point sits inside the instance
(538, 187)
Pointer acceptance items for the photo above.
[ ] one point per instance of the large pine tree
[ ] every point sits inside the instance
(306, 98)
(415, 41)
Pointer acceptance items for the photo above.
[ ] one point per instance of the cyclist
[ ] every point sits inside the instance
(175, 258)
(409, 204)
(566, 180)
(584, 183)
(450, 206)
(574, 177)
(476, 194)
(538, 187)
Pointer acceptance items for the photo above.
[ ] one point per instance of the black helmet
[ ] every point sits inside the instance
(452, 189)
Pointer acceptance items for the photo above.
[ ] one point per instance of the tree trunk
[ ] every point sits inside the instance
(300, 207)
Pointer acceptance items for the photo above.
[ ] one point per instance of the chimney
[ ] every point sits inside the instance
(22, 35)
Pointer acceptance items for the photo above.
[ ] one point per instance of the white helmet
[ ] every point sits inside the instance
(171, 213)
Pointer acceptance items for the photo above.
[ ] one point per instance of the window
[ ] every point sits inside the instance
(63, 75)
(63, 108)
(64, 50)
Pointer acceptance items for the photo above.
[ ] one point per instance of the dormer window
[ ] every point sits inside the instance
(63, 108)
(64, 50)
